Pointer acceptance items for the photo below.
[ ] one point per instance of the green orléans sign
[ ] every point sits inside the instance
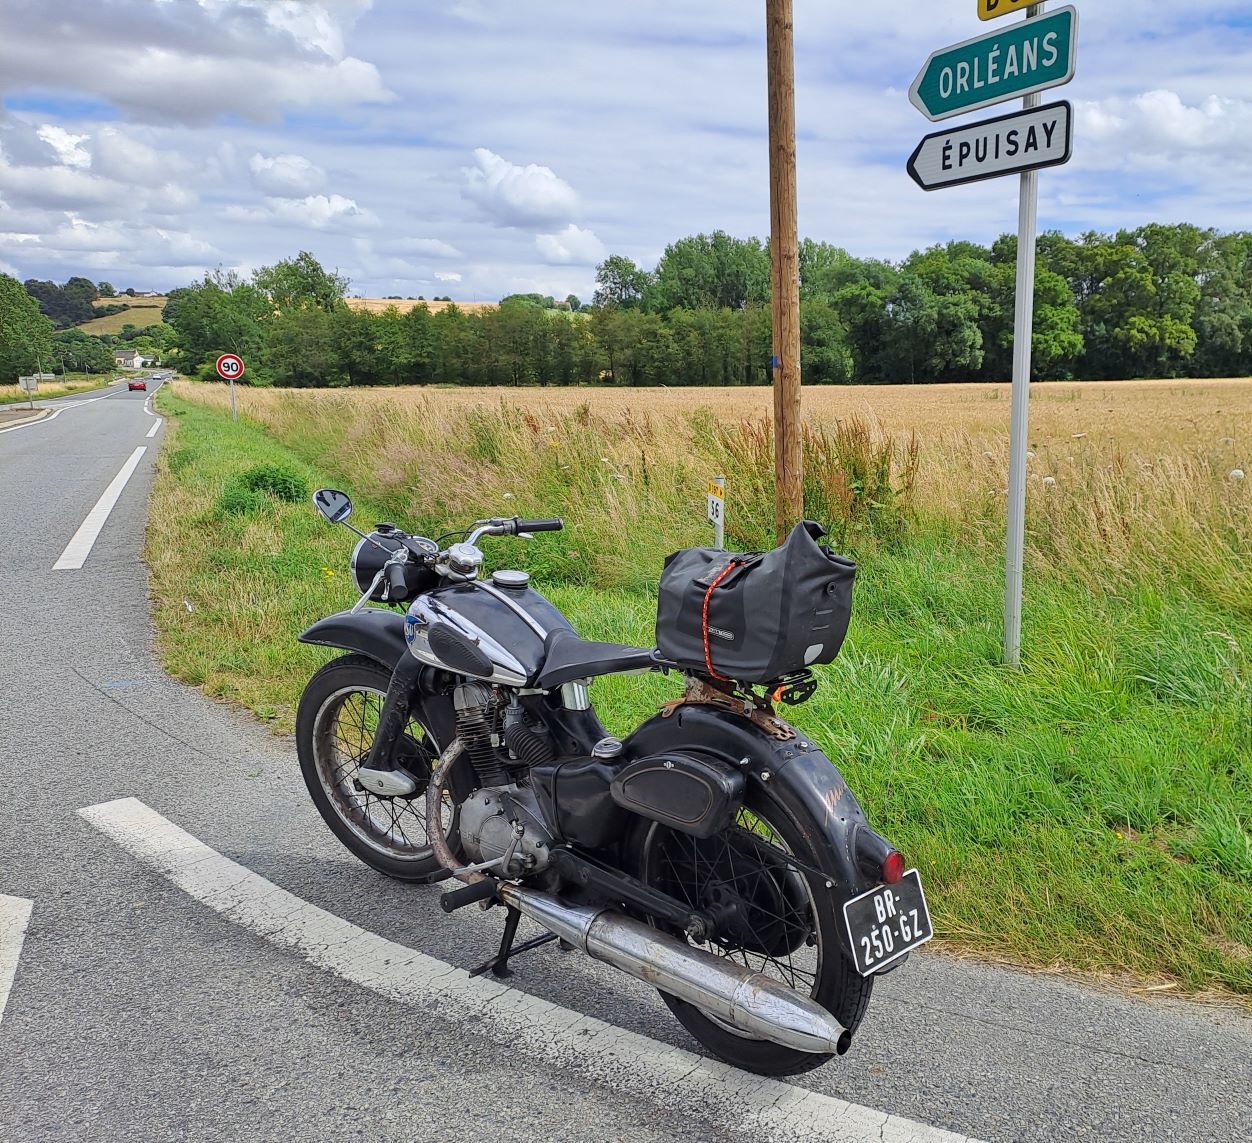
(1030, 56)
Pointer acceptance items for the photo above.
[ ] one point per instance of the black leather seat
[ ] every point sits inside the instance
(570, 658)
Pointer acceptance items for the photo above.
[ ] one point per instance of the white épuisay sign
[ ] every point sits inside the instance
(1010, 144)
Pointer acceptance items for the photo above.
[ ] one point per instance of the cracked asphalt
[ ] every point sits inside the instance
(138, 1011)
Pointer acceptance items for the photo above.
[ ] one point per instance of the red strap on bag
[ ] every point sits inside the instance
(704, 616)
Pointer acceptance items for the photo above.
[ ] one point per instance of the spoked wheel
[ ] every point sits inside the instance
(776, 917)
(335, 727)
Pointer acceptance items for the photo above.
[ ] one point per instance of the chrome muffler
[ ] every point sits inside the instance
(753, 1003)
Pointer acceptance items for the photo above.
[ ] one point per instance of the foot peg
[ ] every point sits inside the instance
(455, 899)
(387, 783)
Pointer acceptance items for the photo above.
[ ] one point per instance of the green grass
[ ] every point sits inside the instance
(71, 383)
(1090, 811)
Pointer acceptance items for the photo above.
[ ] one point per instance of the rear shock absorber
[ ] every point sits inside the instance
(474, 706)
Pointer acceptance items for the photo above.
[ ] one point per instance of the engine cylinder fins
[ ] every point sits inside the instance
(475, 710)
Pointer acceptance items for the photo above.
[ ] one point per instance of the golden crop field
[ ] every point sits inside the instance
(1140, 418)
(142, 311)
(378, 305)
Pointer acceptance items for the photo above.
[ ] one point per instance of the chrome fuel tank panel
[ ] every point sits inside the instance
(502, 633)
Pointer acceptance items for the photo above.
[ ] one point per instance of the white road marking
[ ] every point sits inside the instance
(56, 412)
(625, 1062)
(153, 431)
(14, 916)
(79, 547)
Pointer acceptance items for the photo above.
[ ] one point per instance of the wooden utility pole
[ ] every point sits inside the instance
(784, 267)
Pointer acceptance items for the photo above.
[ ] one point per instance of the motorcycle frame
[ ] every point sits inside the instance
(799, 774)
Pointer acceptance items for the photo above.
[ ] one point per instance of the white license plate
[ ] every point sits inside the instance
(887, 922)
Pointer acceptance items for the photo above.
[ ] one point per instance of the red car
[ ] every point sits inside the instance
(131, 386)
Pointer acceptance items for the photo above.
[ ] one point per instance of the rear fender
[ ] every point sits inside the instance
(798, 774)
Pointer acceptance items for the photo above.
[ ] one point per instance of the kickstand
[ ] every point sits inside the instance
(498, 965)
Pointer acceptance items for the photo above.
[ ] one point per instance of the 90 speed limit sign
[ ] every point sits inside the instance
(230, 367)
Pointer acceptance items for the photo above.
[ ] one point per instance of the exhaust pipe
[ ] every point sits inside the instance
(750, 1001)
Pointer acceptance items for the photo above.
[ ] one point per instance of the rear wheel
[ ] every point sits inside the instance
(759, 877)
(335, 725)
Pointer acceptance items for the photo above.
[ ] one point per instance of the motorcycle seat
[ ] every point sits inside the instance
(570, 658)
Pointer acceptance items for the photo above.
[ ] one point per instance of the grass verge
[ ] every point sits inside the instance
(77, 383)
(1090, 812)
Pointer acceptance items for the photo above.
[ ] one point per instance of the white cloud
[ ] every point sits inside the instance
(518, 196)
(572, 247)
(318, 211)
(65, 146)
(1159, 124)
(190, 61)
(447, 276)
(288, 176)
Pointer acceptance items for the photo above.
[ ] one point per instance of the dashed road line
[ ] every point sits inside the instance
(153, 431)
(625, 1062)
(14, 917)
(81, 543)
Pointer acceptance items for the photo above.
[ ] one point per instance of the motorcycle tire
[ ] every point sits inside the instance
(787, 923)
(335, 725)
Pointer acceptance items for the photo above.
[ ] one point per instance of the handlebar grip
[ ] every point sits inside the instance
(549, 525)
(396, 580)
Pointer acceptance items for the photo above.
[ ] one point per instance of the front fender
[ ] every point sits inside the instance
(799, 775)
(370, 631)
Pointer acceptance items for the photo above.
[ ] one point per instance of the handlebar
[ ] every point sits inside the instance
(552, 524)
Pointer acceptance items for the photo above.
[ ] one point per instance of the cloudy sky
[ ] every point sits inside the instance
(482, 147)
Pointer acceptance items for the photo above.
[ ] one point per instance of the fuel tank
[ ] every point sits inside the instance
(493, 629)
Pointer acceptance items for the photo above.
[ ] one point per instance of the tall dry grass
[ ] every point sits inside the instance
(1128, 483)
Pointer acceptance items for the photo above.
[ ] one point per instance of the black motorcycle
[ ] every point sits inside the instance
(715, 853)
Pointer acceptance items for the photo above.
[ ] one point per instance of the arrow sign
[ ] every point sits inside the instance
(1031, 56)
(1023, 141)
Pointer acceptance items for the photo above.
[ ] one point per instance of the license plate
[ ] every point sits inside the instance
(887, 922)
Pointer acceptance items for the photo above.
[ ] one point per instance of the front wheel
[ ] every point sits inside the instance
(335, 726)
(759, 876)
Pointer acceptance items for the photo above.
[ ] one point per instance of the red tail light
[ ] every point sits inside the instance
(892, 867)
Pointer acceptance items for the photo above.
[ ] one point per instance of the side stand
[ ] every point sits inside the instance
(498, 965)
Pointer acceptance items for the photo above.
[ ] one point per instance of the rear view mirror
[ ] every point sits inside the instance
(334, 505)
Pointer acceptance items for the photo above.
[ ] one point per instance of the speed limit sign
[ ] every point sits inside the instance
(230, 367)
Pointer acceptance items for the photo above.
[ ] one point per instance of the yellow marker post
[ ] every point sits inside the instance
(991, 9)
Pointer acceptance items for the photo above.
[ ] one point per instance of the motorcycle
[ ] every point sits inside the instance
(714, 853)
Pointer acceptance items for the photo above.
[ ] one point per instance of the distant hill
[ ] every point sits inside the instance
(142, 311)
(377, 305)
(146, 311)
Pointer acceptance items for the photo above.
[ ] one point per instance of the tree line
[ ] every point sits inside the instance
(1157, 301)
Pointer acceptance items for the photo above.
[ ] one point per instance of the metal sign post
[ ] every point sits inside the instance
(717, 511)
(1023, 340)
(229, 367)
(1030, 57)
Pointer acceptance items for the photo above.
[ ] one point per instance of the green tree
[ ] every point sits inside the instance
(79, 352)
(25, 333)
(710, 271)
(295, 283)
(619, 282)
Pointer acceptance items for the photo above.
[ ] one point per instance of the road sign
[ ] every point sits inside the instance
(229, 367)
(28, 384)
(1031, 56)
(1008, 145)
(991, 9)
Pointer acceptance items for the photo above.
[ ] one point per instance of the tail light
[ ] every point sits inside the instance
(876, 857)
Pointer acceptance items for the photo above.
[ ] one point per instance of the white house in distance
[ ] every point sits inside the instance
(130, 359)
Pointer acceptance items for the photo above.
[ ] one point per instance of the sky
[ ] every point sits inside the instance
(475, 148)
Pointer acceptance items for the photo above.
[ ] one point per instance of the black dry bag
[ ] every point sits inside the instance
(755, 617)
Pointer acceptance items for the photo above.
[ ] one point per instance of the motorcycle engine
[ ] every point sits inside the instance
(492, 818)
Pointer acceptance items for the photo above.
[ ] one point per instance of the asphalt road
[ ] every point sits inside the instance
(136, 1011)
